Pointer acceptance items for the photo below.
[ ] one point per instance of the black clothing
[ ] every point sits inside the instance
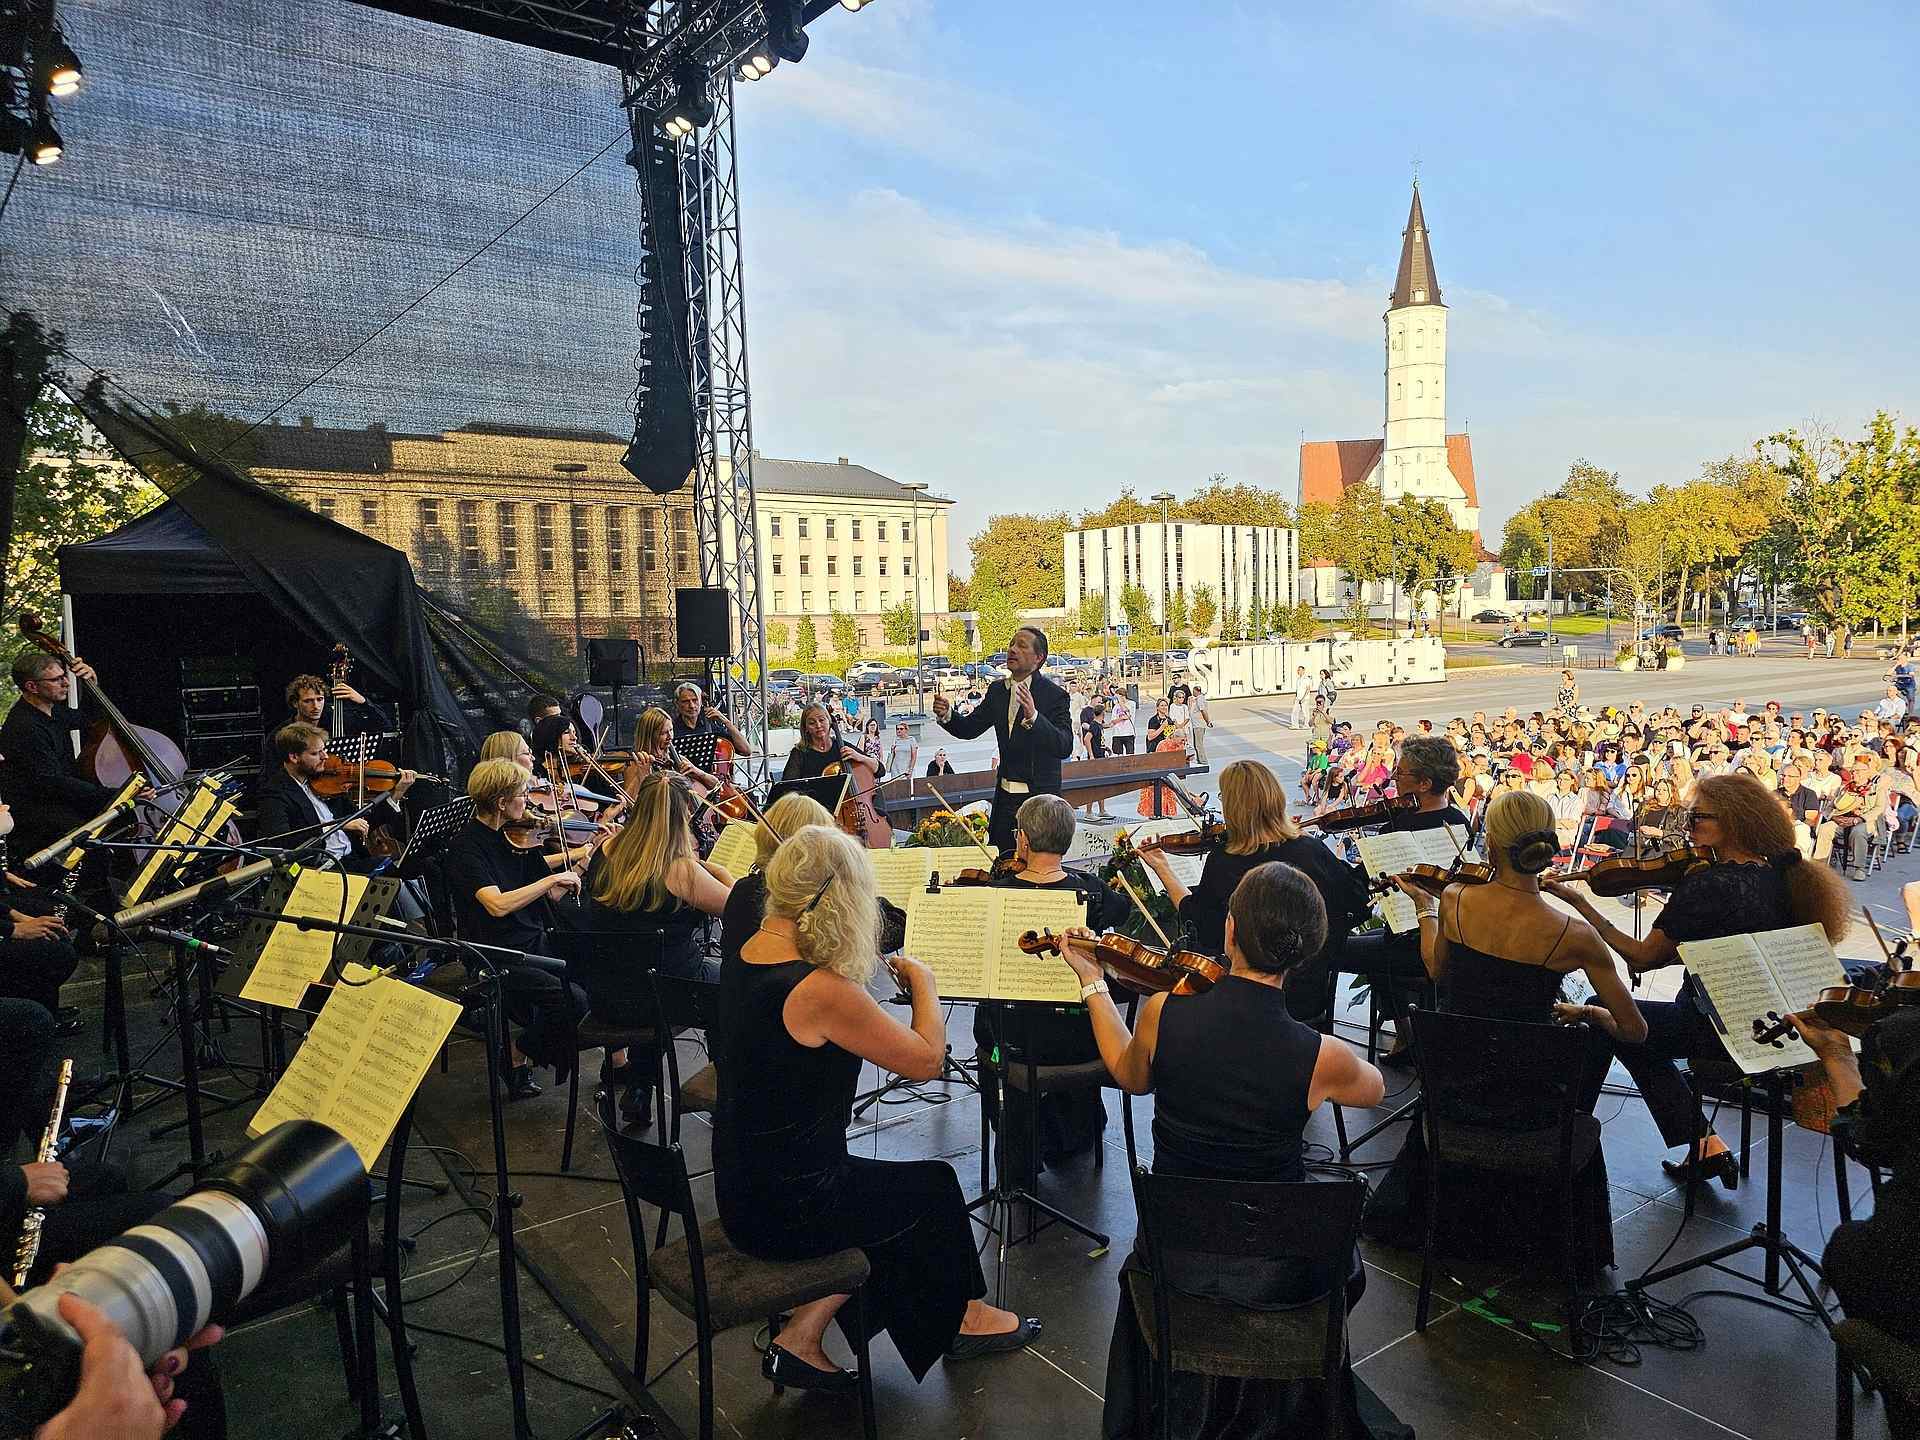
(786, 1188)
(1448, 814)
(939, 767)
(362, 719)
(665, 938)
(1870, 1265)
(41, 778)
(747, 905)
(35, 969)
(698, 741)
(1028, 753)
(804, 762)
(1391, 960)
(1095, 732)
(27, 1042)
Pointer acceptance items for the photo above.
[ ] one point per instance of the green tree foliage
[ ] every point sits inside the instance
(1220, 502)
(998, 617)
(1302, 624)
(845, 631)
(1232, 629)
(1359, 540)
(1587, 519)
(806, 648)
(70, 488)
(1093, 612)
(1178, 617)
(1257, 618)
(1137, 605)
(899, 624)
(1125, 509)
(1206, 608)
(1424, 543)
(778, 635)
(1026, 553)
(959, 652)
(1522, 547)
(1315, 523)
(959, 593)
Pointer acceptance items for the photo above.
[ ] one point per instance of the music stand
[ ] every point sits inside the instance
(349, 948)
(436, 824)
(698, 747)
(827, 789)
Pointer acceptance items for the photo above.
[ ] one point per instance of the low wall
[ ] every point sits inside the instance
(1267, 668)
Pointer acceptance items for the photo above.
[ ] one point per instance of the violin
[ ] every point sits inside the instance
(1850, 1009)
(1624, 874)
(1186, 842)
(368, 777)
(1134, 963)
(1355, 817)
(1434, 879)
(1002, 869)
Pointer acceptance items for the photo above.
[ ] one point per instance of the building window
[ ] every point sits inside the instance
(549, 604)
(779, 602)
(577, 523)
(616, 601)
(543, 536)
(649, 542)
(369, 514)
(806, 602)
(803, 527)
(429, 517)
(880, 531)
(1399, 334)
(617, 539)
(509, 536)
(855, 531)
(906, 565)
(1419, 337)
(859, 601)
(858, 564)
(830, 525)
(1396, 390)
(806, 564)
(324, 505)
(470, 533)
(775, 564)
(773, 526)
(883, 564)
(833, 562)
(683, 541)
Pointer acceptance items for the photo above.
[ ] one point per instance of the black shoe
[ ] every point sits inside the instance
(1722, 1167)
(1400, 1058)
(788, 1371)
(971, 1347)
(67, 1020)
(636, 1107)
(520, 1084)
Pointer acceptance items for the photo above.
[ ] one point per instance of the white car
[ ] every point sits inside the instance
(862, 668)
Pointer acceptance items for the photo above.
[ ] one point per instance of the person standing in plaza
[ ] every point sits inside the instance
(1202, 723)
(1302, 696)
(1120, 723)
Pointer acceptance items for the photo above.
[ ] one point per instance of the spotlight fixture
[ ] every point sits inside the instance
(786, 30)
(61, 67)
(757, 63)
(690, 108)
(856, 4)
(46, 146)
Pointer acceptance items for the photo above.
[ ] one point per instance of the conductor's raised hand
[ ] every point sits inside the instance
(1023, 695)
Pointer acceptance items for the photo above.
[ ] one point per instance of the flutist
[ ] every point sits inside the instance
(1033, 721)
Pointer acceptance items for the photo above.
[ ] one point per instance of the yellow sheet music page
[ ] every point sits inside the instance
(292, 959)
(404, 1030)
(898, 873)
(165, 858)
(325, 1058)
(1020, 976)
(952, 932)
(735, 849)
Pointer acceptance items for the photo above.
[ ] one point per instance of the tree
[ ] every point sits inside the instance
(1302, 624)
(1126, 509)
(1231, 631)
(1257, 618)
(1177, 618)
(1425, 544)
(1137, 605)
(1205, 608)
(1027, 553)
(1315, 524)
(1360, 542)
(806, 650)
(899, 624)
(959, 652)
(1093, 612)
(777, 635)
(1523, 546)
(1219, 502)
(70, 487)
(1586, 518)
(845, 631)
(997, 617)
(959, 593)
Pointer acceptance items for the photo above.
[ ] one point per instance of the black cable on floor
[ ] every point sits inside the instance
(1615, 1328)
(534, 1365)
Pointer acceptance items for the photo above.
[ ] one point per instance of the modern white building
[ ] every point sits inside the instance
(1239, 562)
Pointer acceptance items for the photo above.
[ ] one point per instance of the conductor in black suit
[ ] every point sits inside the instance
(1033, 722)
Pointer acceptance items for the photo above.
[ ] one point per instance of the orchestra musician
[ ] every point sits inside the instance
(37, 956)
(1235, 1078)
(290, 811)
(39, 772)
(653, 750)
(821, 747)
(1254, 806)
(308, 699)
(555, 747)
(497, 889)
(1072, 1121)
(747, 902)
(649, 885)
(1428, 769)
(1032, 719)
(1757, 882)
(693, 719)
(796, 1023)
(1499, 951)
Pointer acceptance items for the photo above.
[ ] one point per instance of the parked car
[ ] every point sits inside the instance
(1490, 617)
(1523, 637)
(1668, 631)
(832, 684)
(1790, 620)
(863, 669)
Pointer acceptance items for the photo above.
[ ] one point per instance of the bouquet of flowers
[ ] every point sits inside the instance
(1126, 861)
(943, 827)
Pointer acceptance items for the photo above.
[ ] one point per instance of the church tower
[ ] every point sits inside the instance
(1414, 461)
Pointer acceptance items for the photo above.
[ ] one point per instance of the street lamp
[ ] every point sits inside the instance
(918, 487)
(1165, 501)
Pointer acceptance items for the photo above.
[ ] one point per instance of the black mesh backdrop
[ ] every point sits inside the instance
(412, 248)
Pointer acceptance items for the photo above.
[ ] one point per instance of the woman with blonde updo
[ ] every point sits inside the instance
(796, 1023)
(747, 903)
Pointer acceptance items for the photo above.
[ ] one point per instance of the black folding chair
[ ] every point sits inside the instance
(1314, 1222)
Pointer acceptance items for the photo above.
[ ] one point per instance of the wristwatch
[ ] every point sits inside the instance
(1092, 988)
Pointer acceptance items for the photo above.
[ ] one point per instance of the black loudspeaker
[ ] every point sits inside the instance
(613, 660)
(701, 624)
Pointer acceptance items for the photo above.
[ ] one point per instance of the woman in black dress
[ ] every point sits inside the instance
(1758, 882)
(1501, 952)
(1254, 805)
(747, 901)
(820, 746)
(1235, 1079)
(796, 1023)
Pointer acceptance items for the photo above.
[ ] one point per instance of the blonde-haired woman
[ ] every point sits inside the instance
(1758, 882)
(497, 890)
(788, 815)
(797, 1021)
(653, 751)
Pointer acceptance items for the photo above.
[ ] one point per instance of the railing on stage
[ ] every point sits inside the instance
(905, 801)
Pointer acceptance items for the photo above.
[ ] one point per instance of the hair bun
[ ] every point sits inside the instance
(1533, 852)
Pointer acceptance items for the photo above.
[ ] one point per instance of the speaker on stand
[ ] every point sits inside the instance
(703, 628)
(613, 661)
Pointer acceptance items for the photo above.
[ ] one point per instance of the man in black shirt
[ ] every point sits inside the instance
(499, 895)
(697, 725)
(308, 699)
(1031, 718)
(40, 776)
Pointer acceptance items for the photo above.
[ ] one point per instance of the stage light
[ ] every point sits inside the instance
(690, 108)
(786, 30)
(62, 67)
(757, 63)
(46, 146)
(856, 4)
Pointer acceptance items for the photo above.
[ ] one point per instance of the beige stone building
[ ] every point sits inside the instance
(543, 528)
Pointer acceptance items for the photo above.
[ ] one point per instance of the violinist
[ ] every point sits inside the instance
(555, 749)
(497, 889)
(1428, 769)
(1235, 1078)
(1499, 951)
(1070, 1122)
(747, 901)
(1758, 882)
(512, 745)
(308, 697)
(1254, 806)
(653, 750)
(289, 810)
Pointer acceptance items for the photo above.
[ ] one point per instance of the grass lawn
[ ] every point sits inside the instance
(1469, 662)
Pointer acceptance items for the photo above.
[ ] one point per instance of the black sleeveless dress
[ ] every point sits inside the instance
(1231, 1074)
(788, 1190)
(1488, 1216)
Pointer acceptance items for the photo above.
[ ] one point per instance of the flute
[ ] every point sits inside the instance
(29, 1250)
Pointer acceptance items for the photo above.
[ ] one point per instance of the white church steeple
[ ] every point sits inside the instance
(1414, 461)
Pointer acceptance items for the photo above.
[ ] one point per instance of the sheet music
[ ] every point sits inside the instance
(191, 828)
(1392, 852)
(734, 851)
(1187, 869)
(1091, 842)
(898, 873)
(970, 937)
(950, 932)
(1742, 989)
(358, 1067)
(1802, 962)
(1020, 976)
(292, 958)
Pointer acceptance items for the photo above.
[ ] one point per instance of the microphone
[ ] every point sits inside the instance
(87, 831)
(206, 890)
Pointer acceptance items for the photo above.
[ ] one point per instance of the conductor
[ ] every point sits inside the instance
(1031, 719)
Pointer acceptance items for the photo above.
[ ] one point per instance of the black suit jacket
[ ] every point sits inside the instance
(1031, 752)
(284, 806)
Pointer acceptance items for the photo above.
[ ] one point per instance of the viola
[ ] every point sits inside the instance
(1434, 879)
(1356, 817)
(1625, 874)
(368, 777)
(1186, 842)
(1004, 867)
(857, 814)
(1134, 963)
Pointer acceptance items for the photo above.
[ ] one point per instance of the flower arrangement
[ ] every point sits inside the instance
(943, 827)
(1126, 861)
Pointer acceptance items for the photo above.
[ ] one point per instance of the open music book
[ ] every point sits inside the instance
(1748, 977)
(970, 938)
(734, 850)
(1392, 852)
(292, 958)
(199, 823)
(899, 872)
(360, 1064)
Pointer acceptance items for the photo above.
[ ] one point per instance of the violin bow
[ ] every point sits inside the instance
(1141, 906)
(1867, 911)
(992, 859)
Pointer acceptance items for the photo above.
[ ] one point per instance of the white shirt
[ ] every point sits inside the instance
(339, 843)
(1302, 686)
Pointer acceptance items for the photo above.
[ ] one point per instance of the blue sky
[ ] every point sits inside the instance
(1033, 252)
(1028, 251)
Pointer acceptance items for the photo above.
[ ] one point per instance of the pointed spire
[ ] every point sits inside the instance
(1416, 283)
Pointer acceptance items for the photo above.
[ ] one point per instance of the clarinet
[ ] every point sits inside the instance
(29, 1250)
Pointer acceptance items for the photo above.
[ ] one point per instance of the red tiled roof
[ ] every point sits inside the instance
(1328, 467)
(1460, 462)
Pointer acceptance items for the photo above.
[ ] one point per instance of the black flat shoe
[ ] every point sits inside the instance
(788, 1372)
(636, 1107)
(971, 1347)
(1723, 1167)
(520, 1085)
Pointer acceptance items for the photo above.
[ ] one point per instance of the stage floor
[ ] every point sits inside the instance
(1474, 1372)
